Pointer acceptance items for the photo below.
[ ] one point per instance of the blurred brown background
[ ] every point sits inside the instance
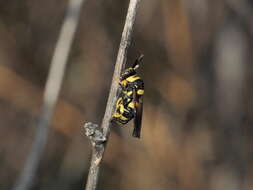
(197, 123)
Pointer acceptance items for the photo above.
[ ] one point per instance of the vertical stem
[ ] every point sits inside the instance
(97, 155)
(51, 93)
(98, 149)
(120, 63)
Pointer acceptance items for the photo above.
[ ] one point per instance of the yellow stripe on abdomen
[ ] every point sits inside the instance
(140, 92)
(132, 78)
(129, 93)
(121, 108)
(131, 105)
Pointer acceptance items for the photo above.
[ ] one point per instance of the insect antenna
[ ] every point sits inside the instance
(137, 61)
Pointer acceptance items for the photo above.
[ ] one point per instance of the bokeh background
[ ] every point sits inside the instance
(198, 106)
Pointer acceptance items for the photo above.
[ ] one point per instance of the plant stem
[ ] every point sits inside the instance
(98, 146)
(51, 94)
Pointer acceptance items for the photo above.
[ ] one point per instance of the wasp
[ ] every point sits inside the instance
(129, 104)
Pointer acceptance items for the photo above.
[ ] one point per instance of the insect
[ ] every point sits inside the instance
(129, 104)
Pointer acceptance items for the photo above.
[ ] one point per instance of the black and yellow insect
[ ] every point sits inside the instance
(130, 103)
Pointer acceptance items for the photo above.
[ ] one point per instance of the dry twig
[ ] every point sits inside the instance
(99, 136)
(51, 93)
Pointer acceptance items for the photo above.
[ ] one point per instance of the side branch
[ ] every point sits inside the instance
(100, 136)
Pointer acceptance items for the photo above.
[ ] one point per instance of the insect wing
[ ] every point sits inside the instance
(138, 101)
